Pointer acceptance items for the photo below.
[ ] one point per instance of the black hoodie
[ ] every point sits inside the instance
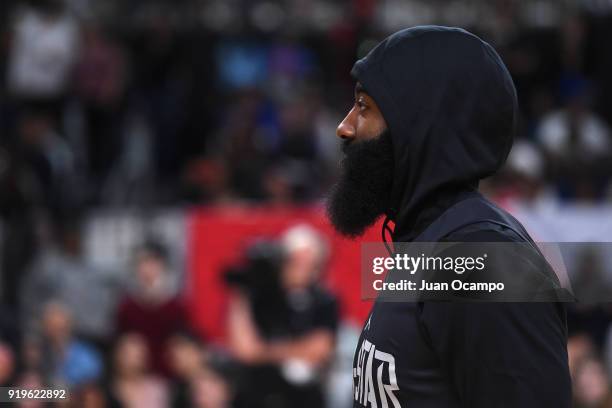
(451, 107)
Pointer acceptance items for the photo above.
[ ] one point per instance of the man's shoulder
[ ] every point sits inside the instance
(484, 231)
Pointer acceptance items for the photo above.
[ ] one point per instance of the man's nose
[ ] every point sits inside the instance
(346, 130)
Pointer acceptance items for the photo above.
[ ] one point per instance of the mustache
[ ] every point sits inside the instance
(349, 144)
(345, 146)
(352, 147)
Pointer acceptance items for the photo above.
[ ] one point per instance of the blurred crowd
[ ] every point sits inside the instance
(145, 104)
(126, 340)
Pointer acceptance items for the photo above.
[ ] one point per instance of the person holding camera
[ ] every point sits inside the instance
(282, 323)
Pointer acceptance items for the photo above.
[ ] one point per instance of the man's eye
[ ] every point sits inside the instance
(361, 105)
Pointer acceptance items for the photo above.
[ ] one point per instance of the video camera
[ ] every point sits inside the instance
(259, 276)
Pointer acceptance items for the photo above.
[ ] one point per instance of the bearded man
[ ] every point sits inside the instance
(435, 111)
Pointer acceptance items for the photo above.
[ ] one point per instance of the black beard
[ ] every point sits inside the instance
(363, 192)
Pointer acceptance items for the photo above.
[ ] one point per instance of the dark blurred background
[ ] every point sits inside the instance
(121, 121)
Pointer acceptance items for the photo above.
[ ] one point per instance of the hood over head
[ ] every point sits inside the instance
(451, 108)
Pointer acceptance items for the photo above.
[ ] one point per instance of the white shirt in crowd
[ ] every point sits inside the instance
(43, 52)
(593, 134)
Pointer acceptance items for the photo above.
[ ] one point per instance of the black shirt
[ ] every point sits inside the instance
(301, 314)
(461, 354)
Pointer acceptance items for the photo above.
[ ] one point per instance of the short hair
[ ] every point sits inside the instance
(154, 249)
(304, 235)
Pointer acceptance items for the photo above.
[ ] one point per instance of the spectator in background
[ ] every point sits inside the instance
(66, 360)
(205, 181)
(579, 347)
(248, 140)
(211, 389)
(202, 378)
(153, 308)
(62, 272)
(100, 81)
(522, 180)
(187, 360)
(592, 314)
(44, 47)
(591, 282)
(591, 385)
(132, 384)
(31, 381)
(48, 158)
(10, 333)
(18, 220)
(285, 343)
(160, 80)
(577, 144)
(31, 358)
(7, 365)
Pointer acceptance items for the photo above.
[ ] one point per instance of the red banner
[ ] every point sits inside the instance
(218, 237)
